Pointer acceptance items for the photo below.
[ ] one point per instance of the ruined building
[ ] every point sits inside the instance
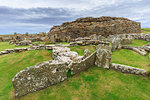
(84, 27)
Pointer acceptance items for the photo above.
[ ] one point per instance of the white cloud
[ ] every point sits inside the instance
(76, 4)
(40, 15)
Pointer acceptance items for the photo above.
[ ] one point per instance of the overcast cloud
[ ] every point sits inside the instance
(35, 16)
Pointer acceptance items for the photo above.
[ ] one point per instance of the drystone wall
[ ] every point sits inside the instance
(39, 47)
(55, 71)
(103, 56)
(16, 50)
(64, 54)
(141, 50)
(21, 37)
(140, 36)
(87, 42)
(128, 69)
(84, 27)
(39, 76)
(82, 65)
(52, 72)
(23, 43)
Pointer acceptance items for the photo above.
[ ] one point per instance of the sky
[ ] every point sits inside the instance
(36, 16)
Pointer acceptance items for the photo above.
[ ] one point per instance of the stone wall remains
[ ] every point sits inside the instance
(77, 67)
(128, 69)
(84, 27)
(39, 76)
(103, 56)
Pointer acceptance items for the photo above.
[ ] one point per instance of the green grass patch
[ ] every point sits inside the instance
(12, 63)
(139, 43)
(80, 49)
(145, 30)
(131, 58)
(6, 45)
(96, 84)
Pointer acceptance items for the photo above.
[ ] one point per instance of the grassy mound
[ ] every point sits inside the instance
(12, 63)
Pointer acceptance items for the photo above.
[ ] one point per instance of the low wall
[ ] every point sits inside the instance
(39, 76)
(88, 42)
(141, 50)
(53, 72)
(77, 67)
(40, 47)
(128, 69)
(16, 50)
(139, 36)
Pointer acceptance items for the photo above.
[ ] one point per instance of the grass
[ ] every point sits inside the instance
(145, 30)
(96, 84)
(131, 58)
(138, 43)
(39, 42)
(12, 63)
(80, 49)
(6, 45)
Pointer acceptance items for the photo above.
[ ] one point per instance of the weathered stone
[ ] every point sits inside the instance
(103, 56)
(88, 42)
(77, 67)
(86, 53)
(85, 27)
(39, 76)
(116, 44)
(64, 54)
(128, 69)
(23, 43)
(140, 51)
(126, 41)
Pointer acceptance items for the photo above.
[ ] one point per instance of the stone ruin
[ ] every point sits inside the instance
(84, 27)
(20, 37)
(23, 43)
(103, 32)
(52, 72)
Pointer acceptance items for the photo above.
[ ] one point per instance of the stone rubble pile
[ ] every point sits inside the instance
(128, 69)
(23, 43)
(64, 54)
